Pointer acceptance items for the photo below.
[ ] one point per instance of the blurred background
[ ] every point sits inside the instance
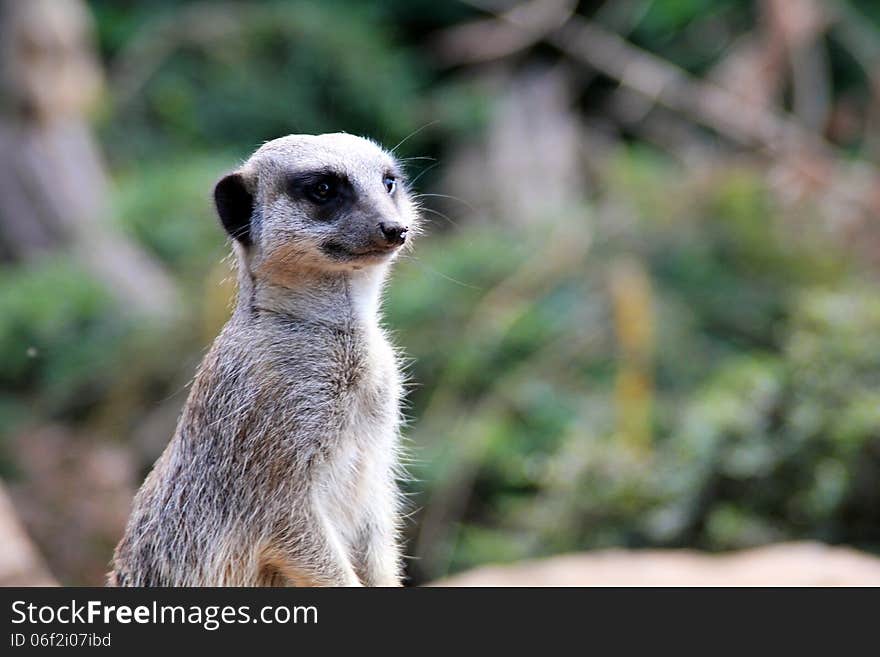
(644, 314)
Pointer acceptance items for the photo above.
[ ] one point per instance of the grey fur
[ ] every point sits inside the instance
(282, 470)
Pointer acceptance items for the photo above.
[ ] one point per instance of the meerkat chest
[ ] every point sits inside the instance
(364, 384)
(360, 464)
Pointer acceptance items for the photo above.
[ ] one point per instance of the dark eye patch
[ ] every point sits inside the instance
(329, 191)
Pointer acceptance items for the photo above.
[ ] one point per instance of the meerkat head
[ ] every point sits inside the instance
(316, 203)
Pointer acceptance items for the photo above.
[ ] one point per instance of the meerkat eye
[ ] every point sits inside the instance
(323, 190)
(390, 183)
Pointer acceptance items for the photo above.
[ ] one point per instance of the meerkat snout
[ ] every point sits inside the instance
(394, 234)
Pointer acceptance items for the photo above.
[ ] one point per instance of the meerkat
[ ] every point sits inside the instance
(283, 467)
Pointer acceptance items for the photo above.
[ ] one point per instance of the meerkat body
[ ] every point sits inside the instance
(283, 467)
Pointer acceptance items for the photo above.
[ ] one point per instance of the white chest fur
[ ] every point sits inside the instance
(357, 478)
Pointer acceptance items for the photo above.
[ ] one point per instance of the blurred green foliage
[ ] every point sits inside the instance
(766, 411)
(166, 207)
(228, 77)
(55, 336)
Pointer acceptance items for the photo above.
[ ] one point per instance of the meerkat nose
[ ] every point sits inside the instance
(393, 233)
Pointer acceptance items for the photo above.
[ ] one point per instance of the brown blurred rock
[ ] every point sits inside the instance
(20, 563)
(73, 495)
(784, 564)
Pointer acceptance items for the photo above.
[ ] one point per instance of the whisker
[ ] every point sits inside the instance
(422, 173)
(441, 274)
(454, 198)
(439, 214)
(413, 133)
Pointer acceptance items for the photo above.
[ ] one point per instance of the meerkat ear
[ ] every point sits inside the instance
(235, 205)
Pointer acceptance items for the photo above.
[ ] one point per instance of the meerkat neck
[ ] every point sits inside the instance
(339, 298)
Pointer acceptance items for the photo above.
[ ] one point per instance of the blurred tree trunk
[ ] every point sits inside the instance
(53, 184)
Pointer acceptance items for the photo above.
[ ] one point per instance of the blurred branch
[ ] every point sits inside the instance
(668, 85)
(806, 159)
(666, 130)
(650, 76)
(488, 39)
